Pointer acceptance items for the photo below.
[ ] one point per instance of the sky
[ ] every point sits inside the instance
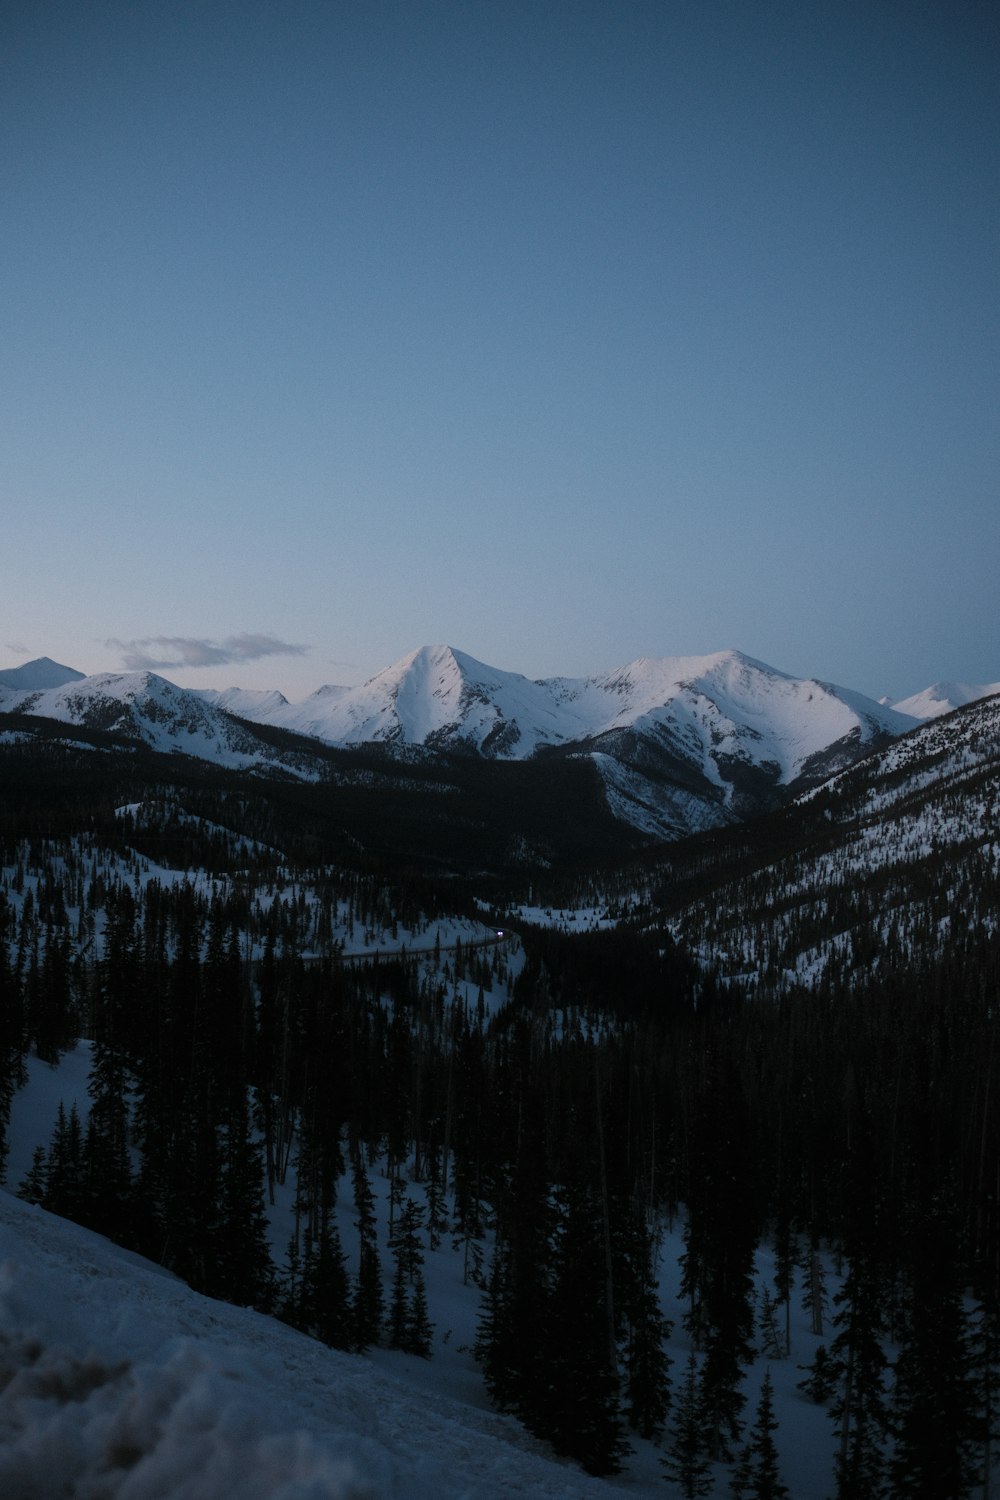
(563, 332)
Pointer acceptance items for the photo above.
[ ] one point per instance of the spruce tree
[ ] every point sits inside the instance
(764, 1480)
(368, 1303)
(686, 1460)
(324, 1298)
(419, 1329)
(859, 1410)
(936, 1418)
(646, 1372)
(580, 1412)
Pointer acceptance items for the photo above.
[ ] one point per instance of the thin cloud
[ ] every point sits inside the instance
(159, 652)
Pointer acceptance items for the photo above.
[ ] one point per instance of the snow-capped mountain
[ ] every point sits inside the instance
(140, 706)
(681, 742)
(726, 704)
(944, 698)
(38, 675)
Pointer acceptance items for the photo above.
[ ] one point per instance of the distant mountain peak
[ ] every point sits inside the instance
(39, 675)
(944, 697)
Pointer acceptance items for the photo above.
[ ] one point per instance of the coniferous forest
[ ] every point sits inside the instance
(550, 1102)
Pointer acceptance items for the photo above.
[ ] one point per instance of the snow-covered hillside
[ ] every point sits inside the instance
(906, 856)
(116, 1380)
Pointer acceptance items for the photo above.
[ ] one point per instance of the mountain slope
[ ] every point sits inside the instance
(140, 706)
(117, 1380)
(898, 854)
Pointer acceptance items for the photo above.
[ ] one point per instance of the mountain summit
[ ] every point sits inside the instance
(39, 675)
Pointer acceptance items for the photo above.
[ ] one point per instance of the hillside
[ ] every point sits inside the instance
(900, 855)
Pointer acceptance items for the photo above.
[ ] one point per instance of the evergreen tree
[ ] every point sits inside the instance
(65, 1183)
(646, 1373)
(368, 1304)
(686, 1459)
(419, 1329)
(580, 1412)
(759, 1478)
(12, 1038)
(814, 1298)
(820, 1379)
(33, 1186)
(242, 1268)
(936, 1417)
(324, 1299)
(510, 1343)
(859, 1410)
(718, 1263)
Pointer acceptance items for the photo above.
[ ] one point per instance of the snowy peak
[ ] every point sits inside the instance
(944, 698)
(38, 675)
(143, 707)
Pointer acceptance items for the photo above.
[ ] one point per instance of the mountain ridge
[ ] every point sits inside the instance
(679, 743)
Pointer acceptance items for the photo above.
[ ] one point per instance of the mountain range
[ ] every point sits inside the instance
(680, 744)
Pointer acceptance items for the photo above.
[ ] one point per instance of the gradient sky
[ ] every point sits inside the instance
(564, 333)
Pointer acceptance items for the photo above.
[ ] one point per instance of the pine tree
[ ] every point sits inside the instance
(718, 1264)
(580, 1413)
(820, 1380)
(419, 1329)
(936, 1408)
(772, 1340)
(859, 1410)
(761, 1454)
(686, 1460)
(113, 1004)
(814, 1291)
(646, 1375)
(12, 1039)
(32, 1187)
(857, 1355)
(243, 1270)
(65, 1187)
(324, 1299)
(367, 1308)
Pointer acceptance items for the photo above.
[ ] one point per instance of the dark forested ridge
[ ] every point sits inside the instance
(552, 1102)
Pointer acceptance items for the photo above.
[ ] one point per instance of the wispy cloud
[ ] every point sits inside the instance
(16, 648)
(160, 652)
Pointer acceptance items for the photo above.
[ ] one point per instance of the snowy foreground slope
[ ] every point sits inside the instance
(116, 1380)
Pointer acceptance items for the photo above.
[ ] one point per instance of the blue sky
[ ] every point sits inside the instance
(565, 333)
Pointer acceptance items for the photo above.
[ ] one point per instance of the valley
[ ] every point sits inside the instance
(717, 1117)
